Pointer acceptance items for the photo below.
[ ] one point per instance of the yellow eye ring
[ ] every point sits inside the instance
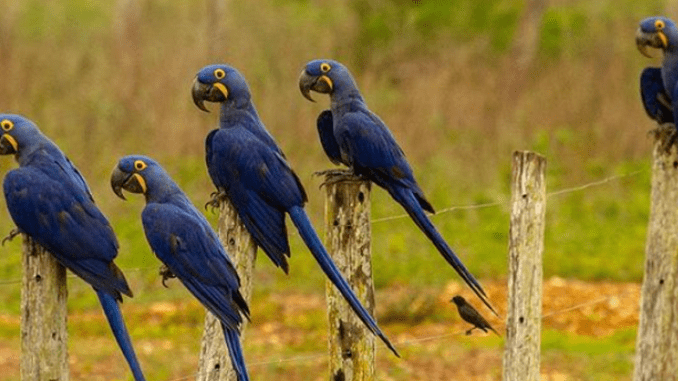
(139, 165)
(219, 73)
(325, 67)
(659, 24)
(6, 125)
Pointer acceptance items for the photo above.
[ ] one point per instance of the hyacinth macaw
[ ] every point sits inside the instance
(184, 241)
(353, 135)
(50, 201)
(659, 85)
(247, 166)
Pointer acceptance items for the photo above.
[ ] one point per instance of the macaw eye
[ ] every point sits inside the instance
(219, 73)
(659, 24)
(325, 67)
(6, 125)
(139, 165)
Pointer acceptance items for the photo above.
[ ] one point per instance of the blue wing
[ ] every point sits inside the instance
(183, 240)
(186, 244)
(655, 99)
(259, 183)
(45, 204)
(370, 149)
(50, 201)
(326, 134)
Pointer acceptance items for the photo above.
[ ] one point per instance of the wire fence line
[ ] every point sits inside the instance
(324, 355)
(578, 188)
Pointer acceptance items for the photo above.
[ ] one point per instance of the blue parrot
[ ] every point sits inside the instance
(659, 86)
(50, 201)
(352, 135)
(247, 166)
(183, 240)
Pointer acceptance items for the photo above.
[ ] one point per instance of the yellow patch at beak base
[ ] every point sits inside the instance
(11, 141)
(327, 80)
(665, 41)
(141, 181)
(222, 89)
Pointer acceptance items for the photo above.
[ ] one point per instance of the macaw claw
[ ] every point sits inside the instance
(13, 233)
(218, 198)
(333, 176)
(166, 274)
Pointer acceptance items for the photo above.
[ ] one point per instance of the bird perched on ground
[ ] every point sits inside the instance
(659, 85)
(470, 315)
(353, 135)
(247, 167)
(50, 201)
(183, 240)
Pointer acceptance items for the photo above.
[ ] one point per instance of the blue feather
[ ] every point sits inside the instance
(49, 200)
(368, 147)
(308, 234)
(183, 240)
(117, 324)
(246, 164)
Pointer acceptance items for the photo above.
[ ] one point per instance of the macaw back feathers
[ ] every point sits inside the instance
(186, 244)
(50, 201)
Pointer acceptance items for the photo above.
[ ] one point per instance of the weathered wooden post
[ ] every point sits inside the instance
(44, 354)
(657, 341)
(526, 245)
(347, 238)
(214, 363)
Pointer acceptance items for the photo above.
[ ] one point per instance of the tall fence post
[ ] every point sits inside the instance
(44, 354)
(657, 341)
(526, 245)
(347, 238)
(214, 363)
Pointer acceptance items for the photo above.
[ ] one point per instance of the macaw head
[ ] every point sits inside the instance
(16, 133)
(220, 84)
(325, 77)
(656, 32)
(138, 174)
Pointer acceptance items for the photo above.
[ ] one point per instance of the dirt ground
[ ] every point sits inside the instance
(424, 327)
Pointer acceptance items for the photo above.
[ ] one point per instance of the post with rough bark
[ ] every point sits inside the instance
(657, 341)
(44, 355)
(347, 238)
(214, 363)
(526, 245)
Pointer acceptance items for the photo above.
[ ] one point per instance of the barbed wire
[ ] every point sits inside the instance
(404, 343)
(442, 211)
(318, 355)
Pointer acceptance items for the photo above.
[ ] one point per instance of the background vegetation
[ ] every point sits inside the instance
(461, 84)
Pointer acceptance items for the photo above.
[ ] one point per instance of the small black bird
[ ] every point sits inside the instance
(470, 315)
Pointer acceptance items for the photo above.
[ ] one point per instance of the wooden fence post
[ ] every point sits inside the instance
(44, 355)
(214, 363)
(526, 245)
(657, 341)
(347, 238)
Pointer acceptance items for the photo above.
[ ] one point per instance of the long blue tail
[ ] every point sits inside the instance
(406, 198)
(308, 234)
(114, 316)
(232, 338)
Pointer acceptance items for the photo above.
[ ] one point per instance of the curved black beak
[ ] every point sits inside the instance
(8, 145)
(306, 83)
(321, 84)
(132, 182)
(650, 39)
(202, 92)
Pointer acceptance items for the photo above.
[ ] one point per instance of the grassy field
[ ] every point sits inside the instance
(105, 79)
